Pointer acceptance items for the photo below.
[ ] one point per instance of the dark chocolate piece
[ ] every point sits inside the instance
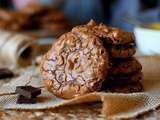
(23, 100)
(28, 91)
(5, 73)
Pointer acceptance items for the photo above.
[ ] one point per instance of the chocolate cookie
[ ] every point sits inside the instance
(122, 51)
(76, 64)
(54, 26)
(52, 16)
(130, 88)
(125, 66)
(113, 35)
(6, 15)
(125, 78)
(34, 10)
(13, 21)
(109, 35)
(112, 81)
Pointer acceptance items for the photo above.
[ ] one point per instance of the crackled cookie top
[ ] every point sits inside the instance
(76, 64)
(114, 36)
(110, 35)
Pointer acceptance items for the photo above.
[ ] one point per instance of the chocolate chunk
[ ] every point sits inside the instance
(5, 73)
(24, 100)
(28, 91)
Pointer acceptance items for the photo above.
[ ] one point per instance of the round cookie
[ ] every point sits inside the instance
(53, 16)
(6, 15)
(109, 35)
(12, 21)
(125, 66)
(112, 81)
(83, 29)
(126, 78)
(130, 88)
(122, 51)
(54, 26)
(75, 65)
(114, 36)
(34, 9)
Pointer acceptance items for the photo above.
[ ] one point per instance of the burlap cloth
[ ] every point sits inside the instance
(114, 105)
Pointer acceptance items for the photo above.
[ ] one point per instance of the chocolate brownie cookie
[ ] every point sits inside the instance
(113, 35)
(109, 35)
(6, 15)
(112, 81)
(116, 51)
(13, 21)
(52, 16)
(83, 29)
(76, 64)
(54, 26)
(134, 77)
(122, 51)
(34, 9)
(125, 66)
(130, 88)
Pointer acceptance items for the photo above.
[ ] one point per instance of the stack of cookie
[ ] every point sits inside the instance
(125, 73)
(91, 58)
(14, 21)
(124, 76)
(45, 17)
(33, 17)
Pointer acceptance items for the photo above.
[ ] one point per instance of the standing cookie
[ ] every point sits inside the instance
(76, 64)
